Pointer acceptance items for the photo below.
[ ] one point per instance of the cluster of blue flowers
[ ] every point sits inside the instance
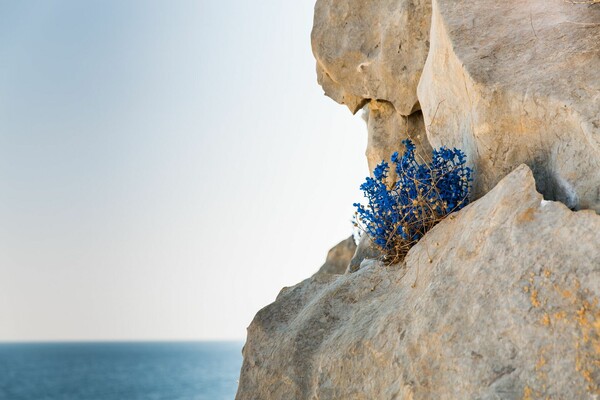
(399, 213)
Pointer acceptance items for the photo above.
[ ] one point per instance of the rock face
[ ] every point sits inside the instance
(508, 82)
(387, 129)
(370, 55)
(365, 250)
(371, 50)
(339, 257)
(516, 82)
(498, 301)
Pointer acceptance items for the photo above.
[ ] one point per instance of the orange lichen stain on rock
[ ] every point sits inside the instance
(527, 215)
(527, 393)
(540, 364)
(587, 375)
(596, 343)
(534, 292)
(542, 375)
(572, 308)
(587, 360)
(581, 314)
(559, 316)
(534, 298)
(568, 294)
(546, 320)
(547, 273)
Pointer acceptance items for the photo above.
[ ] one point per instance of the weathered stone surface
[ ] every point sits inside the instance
(371, 50)
(339, 257)
(516, 82)
(498, 301)
(387, 128)
(337, 92)
(364, 251)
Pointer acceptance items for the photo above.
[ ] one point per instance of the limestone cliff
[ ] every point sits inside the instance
(499, 300)
(509, 82)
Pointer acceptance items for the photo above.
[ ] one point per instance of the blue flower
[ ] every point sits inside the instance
(396, 218)
(381, 170)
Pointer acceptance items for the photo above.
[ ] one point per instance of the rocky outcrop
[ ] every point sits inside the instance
(370, 55)
(508, 82)
(365, 251)
(498, 301)
(387, 129)
(371, 50)
(339, 257)
(516, 82)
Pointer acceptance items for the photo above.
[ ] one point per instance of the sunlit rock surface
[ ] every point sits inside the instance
(514, 82)
(371, 50)
(498, 301)
(339, 257)
(387, 129)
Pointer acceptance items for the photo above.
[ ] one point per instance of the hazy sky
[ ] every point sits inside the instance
(165, 166)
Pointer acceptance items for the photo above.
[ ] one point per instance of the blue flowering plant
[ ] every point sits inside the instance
(399, 213)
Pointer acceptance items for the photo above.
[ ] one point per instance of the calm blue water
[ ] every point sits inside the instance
(123, 371)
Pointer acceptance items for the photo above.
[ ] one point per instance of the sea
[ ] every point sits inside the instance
(120, 371)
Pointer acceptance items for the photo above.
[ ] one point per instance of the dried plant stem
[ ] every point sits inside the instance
(429, 218)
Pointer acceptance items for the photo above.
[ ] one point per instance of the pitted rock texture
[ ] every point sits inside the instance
(516, 82)
(498, 301)
(339, 257)
(368, 49)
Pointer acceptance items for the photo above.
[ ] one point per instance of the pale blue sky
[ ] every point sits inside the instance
(165, 166)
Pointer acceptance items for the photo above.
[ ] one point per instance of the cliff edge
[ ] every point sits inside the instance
(501, 299)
